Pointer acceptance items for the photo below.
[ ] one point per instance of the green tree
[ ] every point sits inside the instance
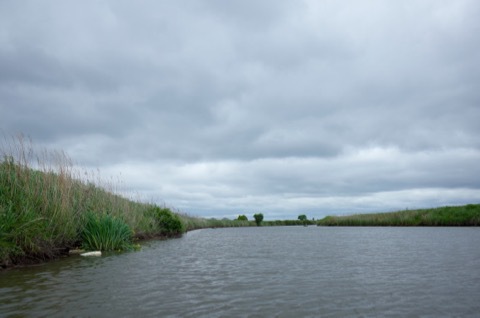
(303, 219)
(242, 218)
(258, 218)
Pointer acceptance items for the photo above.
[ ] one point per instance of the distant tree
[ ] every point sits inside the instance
(242, 218)
(258, 218)
(302, 217)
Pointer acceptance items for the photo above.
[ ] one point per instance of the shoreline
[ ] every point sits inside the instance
(47, 211)
(464, 215)
(448, 216)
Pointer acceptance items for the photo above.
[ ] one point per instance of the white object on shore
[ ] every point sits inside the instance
(95, 253)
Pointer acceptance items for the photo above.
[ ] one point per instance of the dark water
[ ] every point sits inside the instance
(263, 272)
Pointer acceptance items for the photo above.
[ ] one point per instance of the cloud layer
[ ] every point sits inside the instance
(283, 107)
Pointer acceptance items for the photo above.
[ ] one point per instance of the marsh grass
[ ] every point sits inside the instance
(44, 203)
(466, 215)
(47, 207)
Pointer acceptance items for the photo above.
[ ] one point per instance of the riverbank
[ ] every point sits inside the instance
(47, 208)
(466, 215)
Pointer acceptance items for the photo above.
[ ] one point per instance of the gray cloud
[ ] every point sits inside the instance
(281, 106)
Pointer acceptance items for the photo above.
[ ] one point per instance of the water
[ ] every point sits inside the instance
(263, 272)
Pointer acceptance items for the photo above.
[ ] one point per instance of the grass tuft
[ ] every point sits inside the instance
(106, 233)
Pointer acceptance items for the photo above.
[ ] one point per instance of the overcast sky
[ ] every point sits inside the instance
(220, 108)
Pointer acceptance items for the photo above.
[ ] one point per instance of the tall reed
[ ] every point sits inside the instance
(47, 206)
(44, 202)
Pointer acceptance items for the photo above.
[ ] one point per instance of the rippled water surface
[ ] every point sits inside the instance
(262, 272)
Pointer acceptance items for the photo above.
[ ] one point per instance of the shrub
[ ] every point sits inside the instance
(106, 233)
(168, 222)
(242, 218)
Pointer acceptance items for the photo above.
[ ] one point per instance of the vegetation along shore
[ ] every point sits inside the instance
(465, 215)
(48, 208)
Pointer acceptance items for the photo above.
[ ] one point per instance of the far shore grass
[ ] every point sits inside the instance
(465, 215)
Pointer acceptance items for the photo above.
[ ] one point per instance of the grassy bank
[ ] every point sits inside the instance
(47, 208)
(467, 215)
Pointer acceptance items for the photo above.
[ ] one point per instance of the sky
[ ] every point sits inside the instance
(220, 108)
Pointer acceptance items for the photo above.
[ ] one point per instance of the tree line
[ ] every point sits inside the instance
(258, 218)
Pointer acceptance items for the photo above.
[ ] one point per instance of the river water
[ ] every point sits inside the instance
(263, 272)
